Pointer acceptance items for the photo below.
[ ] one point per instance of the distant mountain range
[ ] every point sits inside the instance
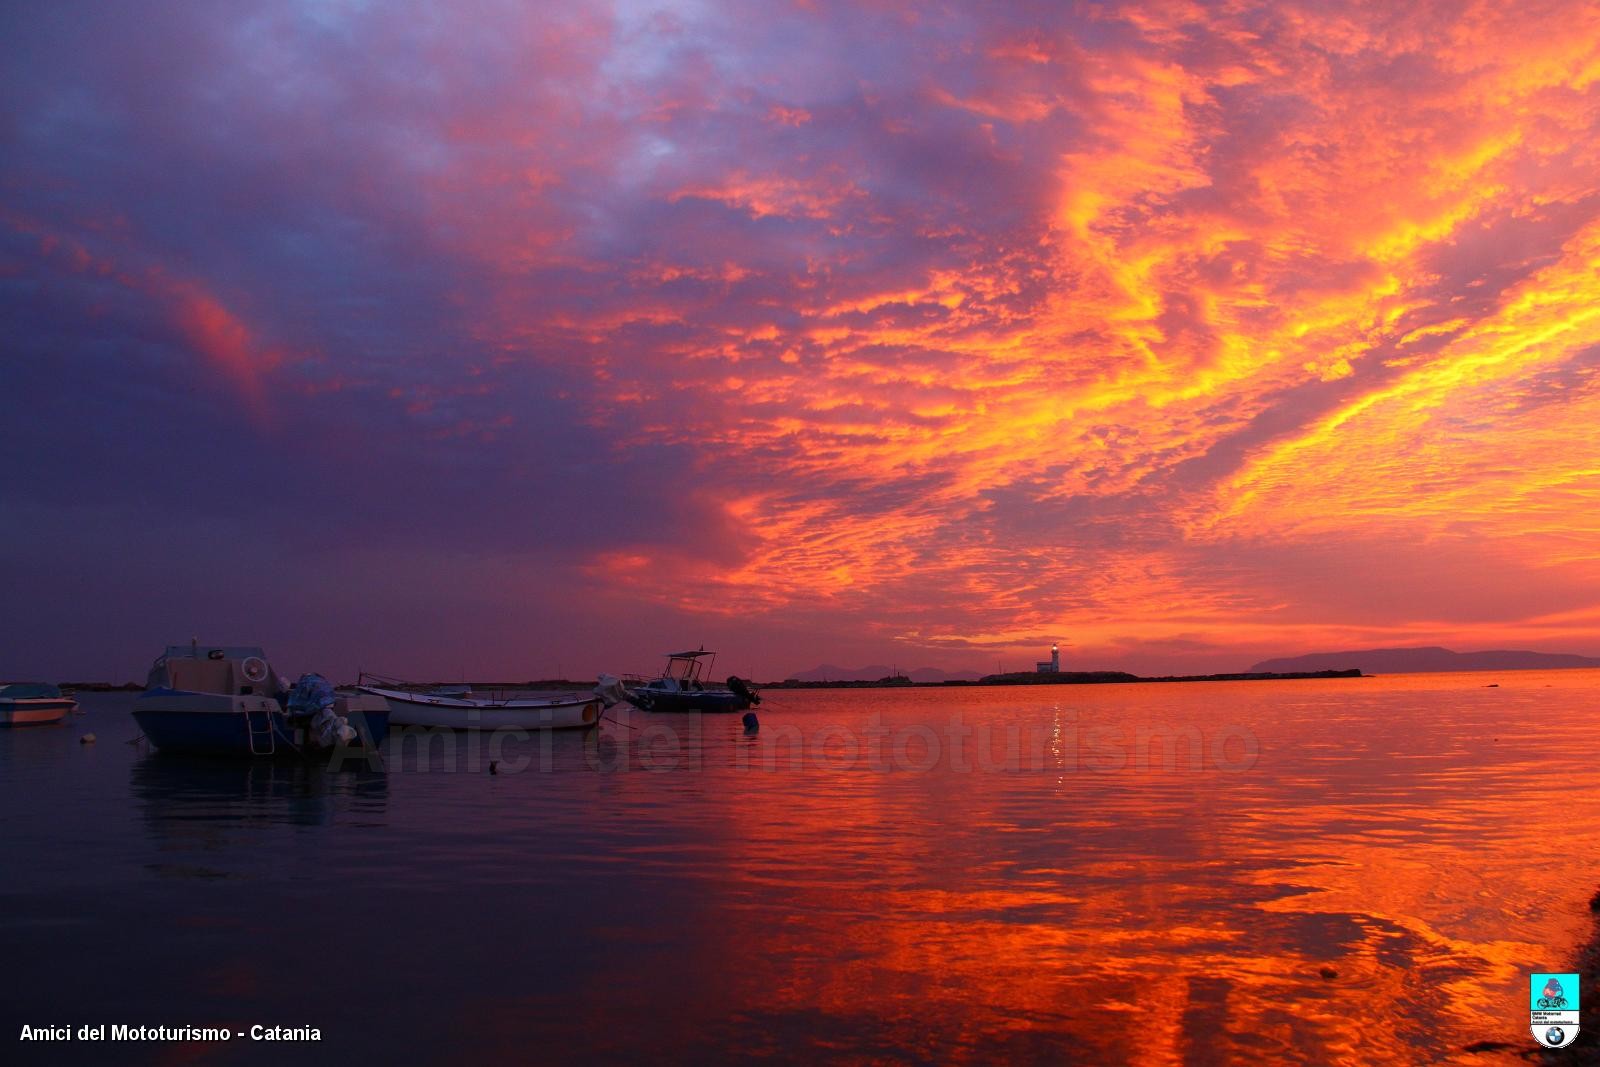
(1418, 660)
(828, 672)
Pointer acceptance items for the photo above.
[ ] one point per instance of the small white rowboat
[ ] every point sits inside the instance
(466, 713)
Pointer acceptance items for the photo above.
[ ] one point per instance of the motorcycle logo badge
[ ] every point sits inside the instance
(1553, 1009)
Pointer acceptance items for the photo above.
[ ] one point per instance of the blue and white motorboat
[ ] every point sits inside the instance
(228, 701)
(34, 704)
(682, 686)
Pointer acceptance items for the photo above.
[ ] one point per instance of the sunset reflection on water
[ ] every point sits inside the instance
(1372, 888)
(1367, 875)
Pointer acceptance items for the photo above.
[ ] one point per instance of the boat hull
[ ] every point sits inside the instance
(35, 711)
(225, 733)
(215, 724)
(710, 700)
(419, 709)
(369, 715)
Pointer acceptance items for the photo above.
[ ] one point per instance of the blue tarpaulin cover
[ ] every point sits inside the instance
(29, 691)
(311, 694)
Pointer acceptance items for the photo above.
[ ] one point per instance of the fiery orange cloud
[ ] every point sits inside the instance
(1205, 269)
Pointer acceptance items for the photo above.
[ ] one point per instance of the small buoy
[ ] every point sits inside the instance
(494, 766)
(1327, 972)
(86, 739)
(751, 723)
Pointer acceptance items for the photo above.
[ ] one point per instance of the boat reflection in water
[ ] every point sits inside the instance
(210, 803)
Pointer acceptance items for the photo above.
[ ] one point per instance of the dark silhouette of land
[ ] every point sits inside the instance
(1424, 660)
(875, 672)
(1067, 678)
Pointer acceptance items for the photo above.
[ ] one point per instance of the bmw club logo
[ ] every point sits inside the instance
(1553, 1009)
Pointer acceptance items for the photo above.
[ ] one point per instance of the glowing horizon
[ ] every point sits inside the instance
(1186, 335)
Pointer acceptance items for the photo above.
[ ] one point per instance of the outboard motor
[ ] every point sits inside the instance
(611, 691)
(313, 698)
(742, 689)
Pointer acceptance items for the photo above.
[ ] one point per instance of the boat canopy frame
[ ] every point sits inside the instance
(688, 668)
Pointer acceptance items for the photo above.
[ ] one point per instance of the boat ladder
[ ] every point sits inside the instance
(263, 741)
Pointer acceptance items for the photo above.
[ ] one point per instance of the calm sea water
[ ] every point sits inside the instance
(1353, 871)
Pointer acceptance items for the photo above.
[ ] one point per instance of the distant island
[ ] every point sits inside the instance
(1107, 677)
(1424, 660)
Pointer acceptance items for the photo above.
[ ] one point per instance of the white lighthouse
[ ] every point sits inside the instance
(1051, 665)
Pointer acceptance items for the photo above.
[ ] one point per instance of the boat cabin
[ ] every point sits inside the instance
(239, 670)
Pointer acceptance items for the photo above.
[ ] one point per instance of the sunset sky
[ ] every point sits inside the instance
(509, 339)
